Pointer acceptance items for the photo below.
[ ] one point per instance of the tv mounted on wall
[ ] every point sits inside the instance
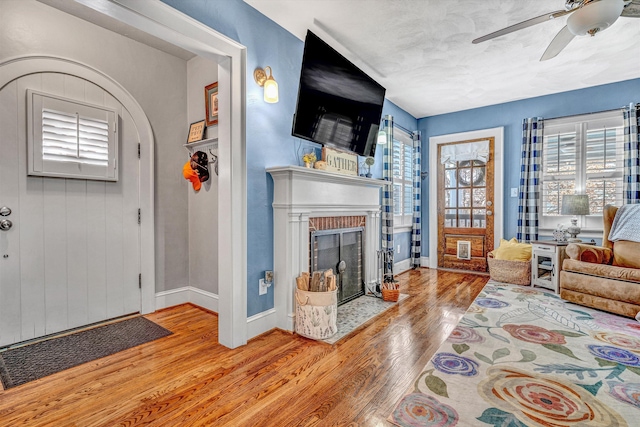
(338, 104)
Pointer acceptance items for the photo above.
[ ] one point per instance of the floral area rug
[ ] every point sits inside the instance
(524, 357)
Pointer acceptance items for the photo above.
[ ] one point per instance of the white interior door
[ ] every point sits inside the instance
(72, 254)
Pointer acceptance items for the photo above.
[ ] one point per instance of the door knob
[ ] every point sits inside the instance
(5, 225)
(5, 211)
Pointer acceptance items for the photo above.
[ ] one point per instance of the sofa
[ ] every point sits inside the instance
(606, 278)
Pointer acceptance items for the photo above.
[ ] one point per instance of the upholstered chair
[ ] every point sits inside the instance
(604, 277)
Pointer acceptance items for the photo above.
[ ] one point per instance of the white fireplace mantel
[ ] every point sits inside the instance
(301, 193)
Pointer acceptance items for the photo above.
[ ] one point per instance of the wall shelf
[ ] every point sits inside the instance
(202, 145)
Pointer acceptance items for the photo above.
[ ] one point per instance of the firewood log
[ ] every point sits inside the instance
(315, 281)
(331, 283)
(302, 283)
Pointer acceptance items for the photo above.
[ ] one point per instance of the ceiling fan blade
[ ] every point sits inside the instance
(632, 10)
(559, 42)
(524, 24)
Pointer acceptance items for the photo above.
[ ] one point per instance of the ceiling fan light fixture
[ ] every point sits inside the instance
(594, 17)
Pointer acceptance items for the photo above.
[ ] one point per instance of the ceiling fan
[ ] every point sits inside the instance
(585, 17)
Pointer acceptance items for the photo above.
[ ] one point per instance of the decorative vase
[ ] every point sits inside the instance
(307, 165)
(559, 235)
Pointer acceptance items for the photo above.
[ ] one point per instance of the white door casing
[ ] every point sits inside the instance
(162, 21)
(79, 237)
(166, 23)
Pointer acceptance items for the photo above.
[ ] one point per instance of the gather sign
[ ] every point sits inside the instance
(340, 161)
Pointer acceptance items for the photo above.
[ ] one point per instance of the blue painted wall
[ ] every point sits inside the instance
(404, 241)
(510, 115)
(268, 133)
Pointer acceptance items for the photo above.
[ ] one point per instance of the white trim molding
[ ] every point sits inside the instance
(402, 266)
(424, 261)
(261, 323)
(187, 294)
(172, 297)
(498, 200)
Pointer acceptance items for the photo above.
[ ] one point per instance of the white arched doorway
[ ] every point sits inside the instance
(86, 301)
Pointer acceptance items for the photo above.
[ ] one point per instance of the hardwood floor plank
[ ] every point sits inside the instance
(277, 379)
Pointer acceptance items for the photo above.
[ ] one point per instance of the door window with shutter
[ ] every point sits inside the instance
(71, 139)
(582, 155)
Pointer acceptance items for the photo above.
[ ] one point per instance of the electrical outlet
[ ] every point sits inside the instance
(398, 249)
(262, 287)
(514, 192)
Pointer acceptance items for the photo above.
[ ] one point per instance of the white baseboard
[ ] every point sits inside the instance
(187, 294)
(172, 297)
(424, 261)
(203, 299)
(402, 266)
(261, 323)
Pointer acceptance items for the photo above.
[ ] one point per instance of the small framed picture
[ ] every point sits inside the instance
(196, 131)
(464, 249)
(211, 103)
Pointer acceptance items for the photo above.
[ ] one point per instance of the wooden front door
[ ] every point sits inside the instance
(465, 210)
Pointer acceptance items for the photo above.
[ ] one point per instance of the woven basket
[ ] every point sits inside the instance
(316, 314)
(506, 271)
(390, 294)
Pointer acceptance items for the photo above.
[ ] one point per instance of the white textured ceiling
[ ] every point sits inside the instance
(421, 50)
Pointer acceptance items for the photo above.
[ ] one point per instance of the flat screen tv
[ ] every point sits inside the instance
(338, 104)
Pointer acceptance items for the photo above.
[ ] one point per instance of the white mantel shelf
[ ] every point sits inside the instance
(301, 193)
(325, 176)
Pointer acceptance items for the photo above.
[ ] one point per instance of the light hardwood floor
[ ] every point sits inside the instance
(277, 379)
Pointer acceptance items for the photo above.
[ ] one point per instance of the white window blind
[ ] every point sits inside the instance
(402, 177)
(71, 139)
(582, 155)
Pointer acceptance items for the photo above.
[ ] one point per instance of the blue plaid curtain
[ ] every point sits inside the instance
(631, 155)
(387, 199)
(416, 251)
(530, 168)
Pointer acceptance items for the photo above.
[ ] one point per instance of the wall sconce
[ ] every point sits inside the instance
(269, 84)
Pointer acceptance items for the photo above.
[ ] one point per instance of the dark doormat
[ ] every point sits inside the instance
(31, 362)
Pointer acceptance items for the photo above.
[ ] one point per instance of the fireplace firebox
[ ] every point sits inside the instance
(341, 250)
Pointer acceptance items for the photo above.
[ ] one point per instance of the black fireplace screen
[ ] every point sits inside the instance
(342, 250)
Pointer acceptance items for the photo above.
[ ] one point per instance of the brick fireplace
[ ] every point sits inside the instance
(307, 200)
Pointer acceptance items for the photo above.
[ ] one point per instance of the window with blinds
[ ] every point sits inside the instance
(402, 177)
(71, 139)
(582, 155)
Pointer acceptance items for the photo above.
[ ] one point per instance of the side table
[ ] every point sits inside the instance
(546, 263)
